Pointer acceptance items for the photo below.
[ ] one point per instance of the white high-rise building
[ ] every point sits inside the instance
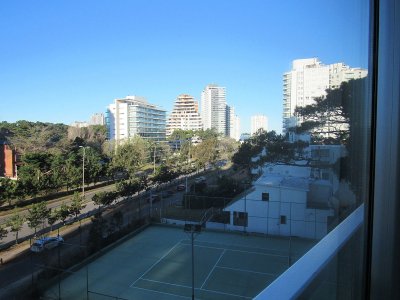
(213, 108)
(132, 116)
(185, 115)
(308, 80)
(232, 123)
(97, 119)
(258, 122)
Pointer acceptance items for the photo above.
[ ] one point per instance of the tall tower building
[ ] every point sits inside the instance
(308, 80)
(132, 116)
(232, 123)
(185, 115)
(258, 122)
(213, 108)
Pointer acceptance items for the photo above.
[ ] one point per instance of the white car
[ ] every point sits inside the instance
(46, 243)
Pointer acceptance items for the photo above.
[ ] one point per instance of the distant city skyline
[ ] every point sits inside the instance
(66, 60)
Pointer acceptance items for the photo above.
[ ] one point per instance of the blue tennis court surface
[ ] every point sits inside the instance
(157, 264)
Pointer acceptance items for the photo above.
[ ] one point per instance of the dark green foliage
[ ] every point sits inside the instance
(37, 214)
(104, 198)
(129, 187)
(201, 197)
(53, 217)
(276, 147)
(64, 212)
(76, 205)
(180, 135)
(15, 222)
(28, 136)
(243, 156)
(130, 156)
(164, 174)
(348, 106)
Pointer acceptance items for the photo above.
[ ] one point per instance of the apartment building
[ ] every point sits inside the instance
(97, 119)
(213, 108)
(185, 115)
(133, 115)
(258, 122)
(232, 123)
(309, 79)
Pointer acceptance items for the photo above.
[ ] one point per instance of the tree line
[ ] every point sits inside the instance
(58, 166)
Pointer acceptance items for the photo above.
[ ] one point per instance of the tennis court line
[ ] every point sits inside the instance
(163, 293)
(168, 283)
(226, 294)
(212, 270)
(235, 250)
(153, 265)
(248, 271)
(228, 246)
(188, 287)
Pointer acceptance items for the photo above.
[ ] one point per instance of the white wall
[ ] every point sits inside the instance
(265, 216)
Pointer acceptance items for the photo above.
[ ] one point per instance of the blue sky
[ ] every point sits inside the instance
(61, 61)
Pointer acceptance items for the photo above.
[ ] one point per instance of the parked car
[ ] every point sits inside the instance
(180, 187)
(200, 179)
(46, 243)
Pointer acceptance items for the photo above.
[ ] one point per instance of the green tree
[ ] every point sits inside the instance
(53, 217)
(15, 223)
(9, 190)
(181, 135)
(76, 205)
(58, 172)
(64, 212)
(227, 147)
(329, 116)
(129, 187)
(37, 215)
(243, 156)
(206, 152)
(93, 165)
(104, 198)
(35, 171)
(164, 174)
(131, 155)
(342, 117)
(73, 170)
(34, 136)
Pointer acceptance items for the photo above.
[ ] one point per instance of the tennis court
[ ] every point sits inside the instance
(157, 264)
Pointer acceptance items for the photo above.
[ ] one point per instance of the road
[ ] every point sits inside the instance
(90, 209)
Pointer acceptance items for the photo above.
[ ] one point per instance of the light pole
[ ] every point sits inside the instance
(188, 168)
(192, 229)
(83, 170)
(154, 159)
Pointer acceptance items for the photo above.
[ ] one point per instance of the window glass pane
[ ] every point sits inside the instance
(276, 126)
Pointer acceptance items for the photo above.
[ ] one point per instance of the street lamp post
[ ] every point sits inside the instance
(192, 229)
